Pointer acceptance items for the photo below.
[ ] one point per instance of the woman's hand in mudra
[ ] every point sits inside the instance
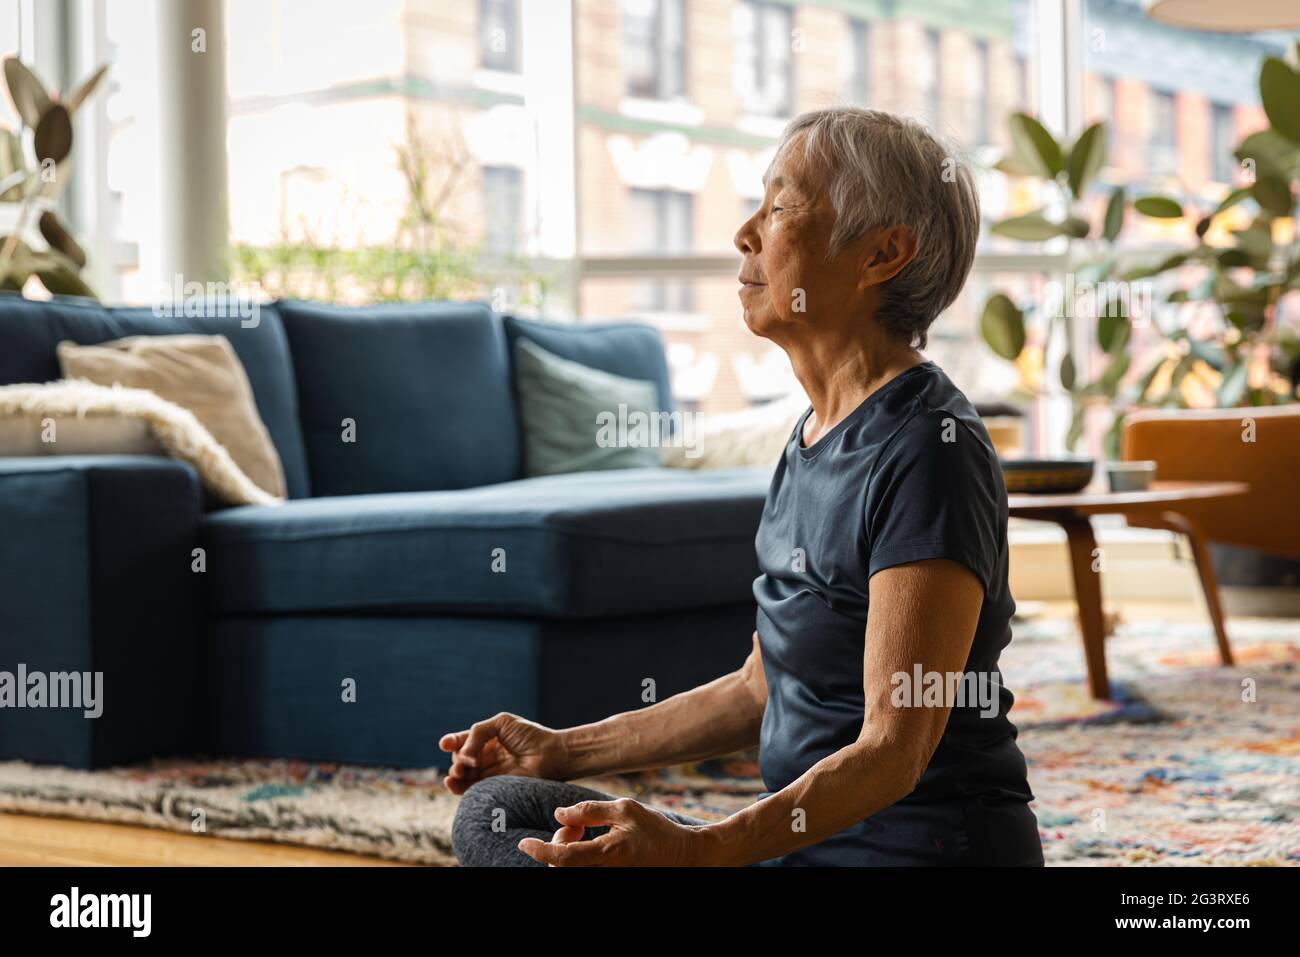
(637, 837)
(503, 744)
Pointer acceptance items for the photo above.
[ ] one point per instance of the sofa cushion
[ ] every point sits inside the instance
(632, 350)
(582, 545)
(30, 331)
(425, 388)
(197, 373)
(570, 415)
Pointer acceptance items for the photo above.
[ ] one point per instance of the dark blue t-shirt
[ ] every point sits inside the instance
(909, 475)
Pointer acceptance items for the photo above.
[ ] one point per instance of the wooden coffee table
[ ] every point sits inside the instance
(1158, 505)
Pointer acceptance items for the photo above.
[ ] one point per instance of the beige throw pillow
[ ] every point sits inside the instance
(198, 373)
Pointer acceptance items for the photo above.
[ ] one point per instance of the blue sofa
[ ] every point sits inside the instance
(377, 575)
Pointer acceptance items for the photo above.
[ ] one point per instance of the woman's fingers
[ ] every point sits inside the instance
(479, 735)
(568, 834)
(453, 741)
(573, 854)
(594, 813)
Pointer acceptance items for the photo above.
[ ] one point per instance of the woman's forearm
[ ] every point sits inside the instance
(713, 719)
(837, 792)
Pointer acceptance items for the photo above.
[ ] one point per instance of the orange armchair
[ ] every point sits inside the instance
(1258, 446)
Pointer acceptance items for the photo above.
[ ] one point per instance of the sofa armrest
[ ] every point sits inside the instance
(96, 580)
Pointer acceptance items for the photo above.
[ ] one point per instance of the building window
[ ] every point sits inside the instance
(857, 81)
(654, 48)
(978, 84)
(1106, 102)
(764, 64)
(503, 206)
(928, 79)
(1163, 140)
(664, 222)
(498, 35)
(1222, 142)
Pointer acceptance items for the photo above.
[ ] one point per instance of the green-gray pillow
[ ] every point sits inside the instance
(580, 419)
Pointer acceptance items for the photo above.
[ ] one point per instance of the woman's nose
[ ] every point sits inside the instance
(746, 238)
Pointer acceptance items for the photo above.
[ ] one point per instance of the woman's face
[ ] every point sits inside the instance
(785, 275)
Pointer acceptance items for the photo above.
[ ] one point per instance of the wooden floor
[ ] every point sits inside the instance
(29, 841)
(26, 840)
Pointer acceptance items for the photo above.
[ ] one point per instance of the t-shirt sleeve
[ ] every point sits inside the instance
(935, 492)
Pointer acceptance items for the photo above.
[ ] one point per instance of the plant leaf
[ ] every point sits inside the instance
(1002, 325)
(59, 275)
(1031, 227)
(1114, 215)
(1113, 326)
(1267, 150)
(1279, 90)
(1159, 207)
(26, 92)
(1035, 145)
(1086, 157)
(53, 139)
(1232, 199)
(1233, 386)
(60, 239)
(1273, 193)
(81, 93)
(1067, 372)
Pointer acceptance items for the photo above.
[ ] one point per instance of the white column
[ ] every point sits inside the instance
(548, 67)
(192, 134)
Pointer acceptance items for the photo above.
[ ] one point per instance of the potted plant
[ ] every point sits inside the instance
(34, 181)
(1244, 356)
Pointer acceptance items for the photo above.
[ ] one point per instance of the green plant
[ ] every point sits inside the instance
(36, 186)
(427, 260)
(1243, 356)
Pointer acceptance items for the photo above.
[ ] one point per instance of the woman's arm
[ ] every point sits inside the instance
(714, 719)
(717, 718)
(923, 613)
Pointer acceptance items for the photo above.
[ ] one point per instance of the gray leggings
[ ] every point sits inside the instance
(497, 813)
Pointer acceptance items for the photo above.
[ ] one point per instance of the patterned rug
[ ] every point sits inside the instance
(1190, 764)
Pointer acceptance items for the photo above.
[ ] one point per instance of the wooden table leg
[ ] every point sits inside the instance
(1205, 568)
(1087, 595)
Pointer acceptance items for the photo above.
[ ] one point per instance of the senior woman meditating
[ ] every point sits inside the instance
(872, 689)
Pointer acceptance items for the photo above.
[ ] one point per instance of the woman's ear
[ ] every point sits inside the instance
(891, 250)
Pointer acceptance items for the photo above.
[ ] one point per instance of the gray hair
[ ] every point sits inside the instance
(885, 170)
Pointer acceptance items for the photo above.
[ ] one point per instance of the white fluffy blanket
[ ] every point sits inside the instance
(755, 436)
(174, 428)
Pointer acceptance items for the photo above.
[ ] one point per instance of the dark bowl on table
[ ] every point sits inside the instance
(1043, 476)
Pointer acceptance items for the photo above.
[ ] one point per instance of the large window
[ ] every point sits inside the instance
(1162, 144)
(1222, 141)
(654, 48)
(367, 141)
(764, 59)
(857, 80)
(503, 206)
(662, 223)
(929, 69)
(498, 35)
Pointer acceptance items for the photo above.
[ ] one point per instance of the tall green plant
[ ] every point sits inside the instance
(1243, 281)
